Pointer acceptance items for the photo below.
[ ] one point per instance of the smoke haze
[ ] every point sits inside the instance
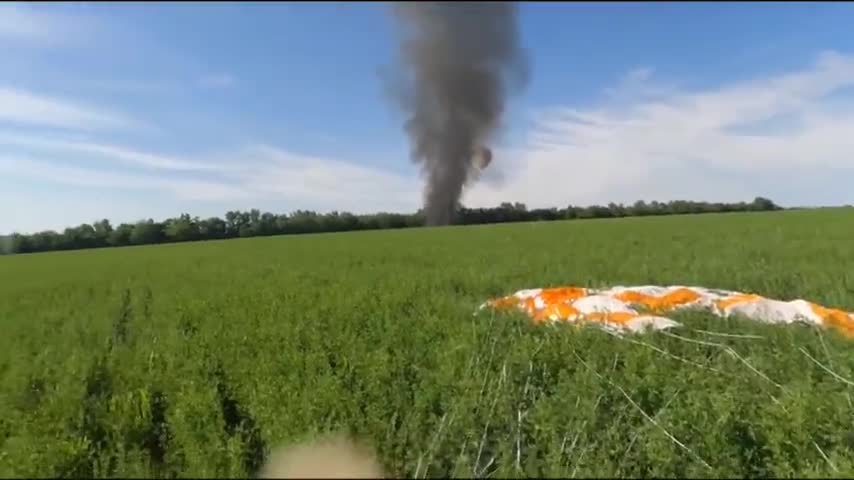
(459, 62)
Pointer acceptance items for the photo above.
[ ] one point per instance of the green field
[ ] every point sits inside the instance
(196, 359)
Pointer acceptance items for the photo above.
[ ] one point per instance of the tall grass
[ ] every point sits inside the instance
(199, 359)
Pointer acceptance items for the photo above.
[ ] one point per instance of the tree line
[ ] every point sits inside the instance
(253, 223)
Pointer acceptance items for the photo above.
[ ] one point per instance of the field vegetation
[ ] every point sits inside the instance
(197, 359)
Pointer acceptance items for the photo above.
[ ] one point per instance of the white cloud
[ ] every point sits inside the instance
(117, 154)
(256, 173)
(636, 85)
(219, 80)
(41, 25)
(326, 184)
(140, 158)
(259, 172)
(131, 87)
(51, 172)
(19, 21)
(21, 107)
(686, 145)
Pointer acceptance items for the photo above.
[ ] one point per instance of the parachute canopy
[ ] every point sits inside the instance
(636, 308)
(482, 157)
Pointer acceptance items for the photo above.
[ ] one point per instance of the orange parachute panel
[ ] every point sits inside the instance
(617, 306)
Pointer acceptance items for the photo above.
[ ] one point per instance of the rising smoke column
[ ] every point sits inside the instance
(460, 60)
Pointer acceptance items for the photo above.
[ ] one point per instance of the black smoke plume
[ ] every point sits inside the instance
(459, 62)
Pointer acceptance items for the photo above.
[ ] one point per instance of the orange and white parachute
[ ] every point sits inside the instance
(633, 309)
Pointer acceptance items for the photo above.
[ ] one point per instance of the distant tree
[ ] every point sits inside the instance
(82, 236)
(254, 223)
(764, 204)
(120, 236)
(146, 232)
(267, 224)
(19, 243)
(103, 229)
(46, 241)
(304, 221)
(213, 228)
(234, 221)
(181, 229)
(639, 208)
(616, 210)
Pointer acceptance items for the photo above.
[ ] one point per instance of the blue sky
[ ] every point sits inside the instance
(128, 111)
